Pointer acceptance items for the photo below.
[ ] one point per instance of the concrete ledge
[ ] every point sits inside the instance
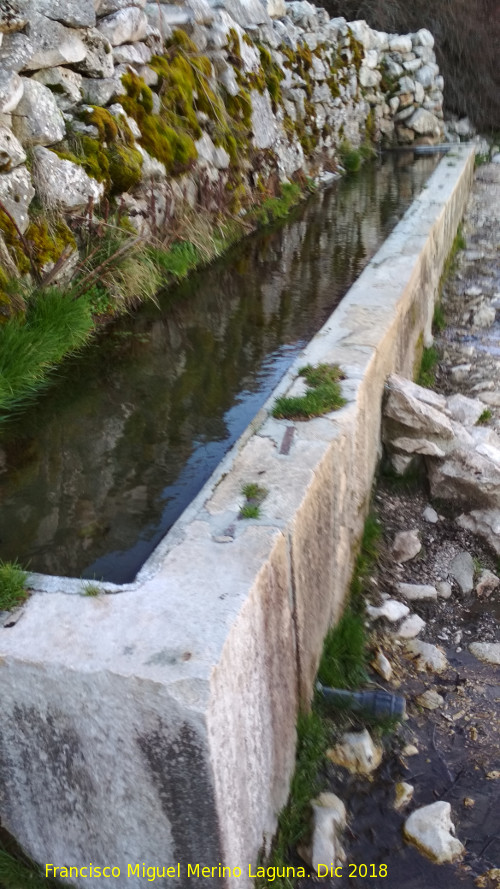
(157, 725)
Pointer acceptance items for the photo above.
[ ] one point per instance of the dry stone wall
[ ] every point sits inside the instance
(157, 105)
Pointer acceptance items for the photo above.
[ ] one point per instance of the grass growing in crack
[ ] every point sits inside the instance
(312, 743)
(250, 511)
(91, 589)
(254, 494)
(12, 585)
(344, 660)
(323, 395)
(253, 491)
(427, 373)
(438, 319)
(485, 417)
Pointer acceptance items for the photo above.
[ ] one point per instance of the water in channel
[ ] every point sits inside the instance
(94, 475)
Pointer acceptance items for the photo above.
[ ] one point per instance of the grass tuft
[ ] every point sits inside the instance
(344, 660)
(485, 417)
(91, 589)
(438, 319)
(324, 394)
(250, 511)
(12, 585)
(427, 373)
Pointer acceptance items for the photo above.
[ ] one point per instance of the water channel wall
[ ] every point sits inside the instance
(156, 724)
(151, 110)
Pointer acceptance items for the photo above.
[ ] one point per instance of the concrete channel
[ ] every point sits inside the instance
(155, 725)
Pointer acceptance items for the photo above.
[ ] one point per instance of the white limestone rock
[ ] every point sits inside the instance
(362, 32)
(107, 7)
(125, 26)
(417, 408)
(411, 627)
(17, 192)
(329, 821)
(165, 17)
(425, 75)
(248, 13)
(382, 665)
(75, 13)
(391, 609)
(97, 91)
(487, 582)
(430, 700)
(465, 410)
(98, 61)
(13, 15)
(11, 91)
(12, 153)
(64, 84)
(416, 592)
(406, 546)
(403, 795)
(423, 37)
(488, 652)
(469, 476)
(400, 43)
(37, 119)
(417, 446)
(443, 589)
(426, 656)
(15, 51)
(485, 523)
(424, 123)
(63, 185)
(53, 44)
(430, 515)
(264, 125)
(462, 570)
(484, 316)
(368, 77)
(357, 753)
(431, 830)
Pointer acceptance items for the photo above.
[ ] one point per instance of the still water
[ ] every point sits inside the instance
(97, 472)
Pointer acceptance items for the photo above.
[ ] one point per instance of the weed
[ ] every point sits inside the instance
(478, 567)
(279, 207)
(350, 157)
(91, 589)
(485, 417)
(343, 664)
(250, 511)
(438, 319)
(323, 395)
(427, 373)
(12, 585)
(253, 491)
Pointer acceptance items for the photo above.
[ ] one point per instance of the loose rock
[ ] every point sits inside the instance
(462, 570)
(431, 830)
(427, 656)
(489, 652)
(411, 627)
(357, 753)
(430, 699)
(406, 546)
(403, 795)
(417, 591)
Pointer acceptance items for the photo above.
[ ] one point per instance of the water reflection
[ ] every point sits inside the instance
(95, 474)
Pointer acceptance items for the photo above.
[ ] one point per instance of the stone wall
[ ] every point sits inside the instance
(150, 106)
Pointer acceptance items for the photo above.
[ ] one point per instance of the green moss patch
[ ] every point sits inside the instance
(323, 395)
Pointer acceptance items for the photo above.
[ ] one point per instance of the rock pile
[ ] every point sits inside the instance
(462, 459)
(167, 105)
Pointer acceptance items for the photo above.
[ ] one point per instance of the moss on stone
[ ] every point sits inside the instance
(48, 240)
(14, 243)
(125, 167)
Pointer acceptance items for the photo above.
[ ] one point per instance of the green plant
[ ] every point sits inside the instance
(438, 318)
(253, 491)
(427, 373)
(343, 664)
(350, 157)
(485, 417)
(279, 207)
(12, 585)
(323, 395)
(250, 511)
(92, 589)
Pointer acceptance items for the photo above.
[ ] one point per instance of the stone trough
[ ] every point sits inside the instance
(156, 724)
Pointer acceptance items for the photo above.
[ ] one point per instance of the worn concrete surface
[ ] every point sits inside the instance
(157, 725)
